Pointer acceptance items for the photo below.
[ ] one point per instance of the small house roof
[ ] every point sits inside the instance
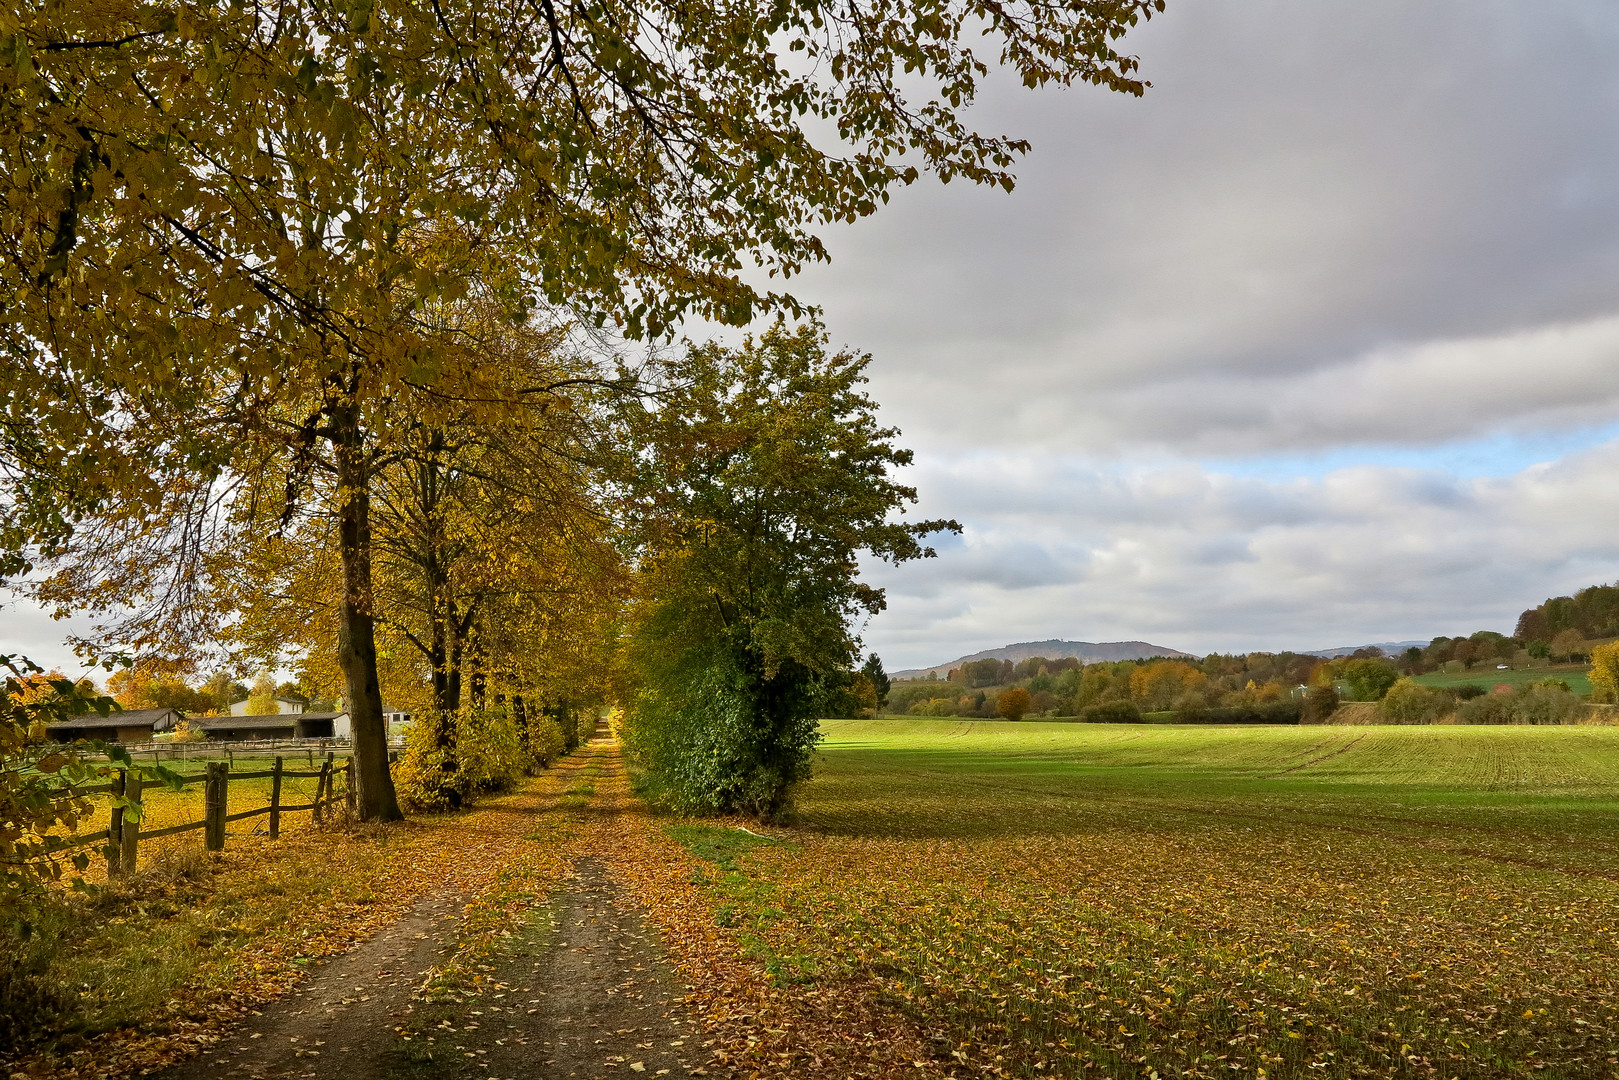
(160, 719)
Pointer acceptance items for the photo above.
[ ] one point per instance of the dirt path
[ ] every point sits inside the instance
(577, 987)
(342, 1018)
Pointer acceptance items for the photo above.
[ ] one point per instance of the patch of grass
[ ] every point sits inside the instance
(1121, 900)
(1487, 677)
(720, 846)
(742, 899)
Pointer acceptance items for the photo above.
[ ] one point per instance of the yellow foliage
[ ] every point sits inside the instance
(1604, 673)
(1157, 686)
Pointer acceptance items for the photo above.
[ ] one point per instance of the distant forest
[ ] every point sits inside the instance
(1562, 629)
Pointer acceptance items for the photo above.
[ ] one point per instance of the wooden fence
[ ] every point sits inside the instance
(227, 750)
(123, 833)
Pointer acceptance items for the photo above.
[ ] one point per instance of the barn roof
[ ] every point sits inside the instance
(229, 723)
(160, 719)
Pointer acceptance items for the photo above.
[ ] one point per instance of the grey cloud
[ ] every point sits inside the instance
(1307, 204)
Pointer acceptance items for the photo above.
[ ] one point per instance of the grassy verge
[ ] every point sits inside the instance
(169, 948)
(741, 899)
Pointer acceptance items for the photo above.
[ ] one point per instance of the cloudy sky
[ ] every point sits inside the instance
(1316, 344)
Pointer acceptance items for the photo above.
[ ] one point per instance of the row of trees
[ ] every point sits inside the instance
(304, 347)
(1593, 612)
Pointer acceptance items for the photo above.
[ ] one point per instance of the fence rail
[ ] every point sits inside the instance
(123, 833)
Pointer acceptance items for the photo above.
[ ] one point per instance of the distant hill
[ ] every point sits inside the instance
(1088, 651)
(1390, 648)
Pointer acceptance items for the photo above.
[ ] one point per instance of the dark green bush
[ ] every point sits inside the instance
(1320, 703)
(1111, 712)
(1276, 712)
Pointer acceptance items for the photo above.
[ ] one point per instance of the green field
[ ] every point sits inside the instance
(1099, 900)
(1573, 674)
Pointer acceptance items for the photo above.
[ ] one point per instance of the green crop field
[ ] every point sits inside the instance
(1488, 677)
(1111, 901)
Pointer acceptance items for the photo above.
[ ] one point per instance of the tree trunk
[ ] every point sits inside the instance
(520, 715)
(477, 683)
(356, 634)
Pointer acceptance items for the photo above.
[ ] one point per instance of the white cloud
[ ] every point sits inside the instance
(1206, 561)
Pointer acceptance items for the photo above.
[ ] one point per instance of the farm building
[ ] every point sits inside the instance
(302, 725)
(134, 726)
(284, 706)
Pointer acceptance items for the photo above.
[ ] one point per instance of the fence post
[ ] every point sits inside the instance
(311, 754)
(331, 781)
(275, 799)
(115, 831)
(348, 786)
(320, 788)
(214, 805)
(132, 826)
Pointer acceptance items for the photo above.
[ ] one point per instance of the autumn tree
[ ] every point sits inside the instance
(215, 209)
(1158, 686)
(261, 696)
(1568, 645)
(762, 477)
(1604, 673)
(1012, 703)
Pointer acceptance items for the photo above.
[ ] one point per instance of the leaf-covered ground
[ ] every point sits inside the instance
(955, 899)
(1121, 901)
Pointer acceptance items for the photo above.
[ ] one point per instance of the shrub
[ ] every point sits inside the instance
(1276, 712)
(1408, 703)
(1319, 704)
(696, 733)
(486, 753)
(1468, 691)
(1530, 705)
(546, 742)
(32, 1003)
(1111, 712)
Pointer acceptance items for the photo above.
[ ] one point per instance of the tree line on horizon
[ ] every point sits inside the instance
(1262, 683)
